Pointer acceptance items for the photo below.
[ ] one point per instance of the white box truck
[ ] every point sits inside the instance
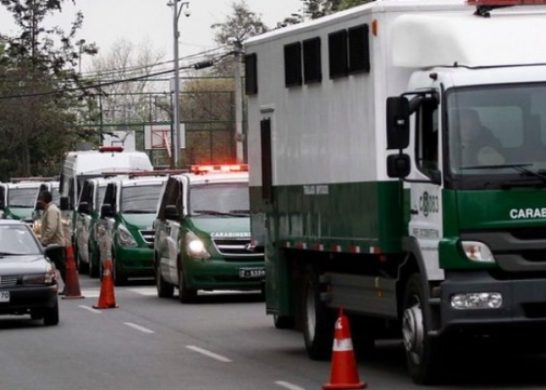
(398, 170)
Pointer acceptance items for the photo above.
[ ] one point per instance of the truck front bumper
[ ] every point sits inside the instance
(221, 274)
(135, 261)
(523, 303)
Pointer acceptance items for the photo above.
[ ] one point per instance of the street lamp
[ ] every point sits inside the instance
(184, 5)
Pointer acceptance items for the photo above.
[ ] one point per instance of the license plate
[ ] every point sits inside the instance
(251, 273)
(4, 296)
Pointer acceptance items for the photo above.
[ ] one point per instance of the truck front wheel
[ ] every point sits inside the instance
(423, 353)
(318, 319)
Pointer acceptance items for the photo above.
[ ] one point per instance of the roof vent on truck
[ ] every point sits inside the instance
(222, 168)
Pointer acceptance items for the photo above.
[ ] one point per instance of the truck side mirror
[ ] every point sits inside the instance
(83, 208)
(65, 203)
(398, 114)
(398, 165)
(107, 211)
(171, 212)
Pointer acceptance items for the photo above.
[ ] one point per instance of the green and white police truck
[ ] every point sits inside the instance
(125, 232)
(202, 233)
(85, 231)
(363, 192)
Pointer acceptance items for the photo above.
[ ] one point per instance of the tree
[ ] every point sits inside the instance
(39, 89)
(239, 26)
(318, 8)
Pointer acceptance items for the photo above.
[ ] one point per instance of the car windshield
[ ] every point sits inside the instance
(228, 199)
(497, 135)
(140, 199)
(22, 197)
(17, 240)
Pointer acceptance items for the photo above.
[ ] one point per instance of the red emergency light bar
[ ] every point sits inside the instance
(114, 149)
(199, 169)
(504, 3)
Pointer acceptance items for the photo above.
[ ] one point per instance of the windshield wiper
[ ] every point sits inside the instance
(139, 211)
(12, 254)
(500, 166)
(239, 212)
(521, 167)
(213, 212)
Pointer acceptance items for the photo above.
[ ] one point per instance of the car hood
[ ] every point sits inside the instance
(140, 221)
(223, 227)
(11, 265)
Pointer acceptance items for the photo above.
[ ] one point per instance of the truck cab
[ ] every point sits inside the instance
(85, 237)
(202, 238)
(125, 231)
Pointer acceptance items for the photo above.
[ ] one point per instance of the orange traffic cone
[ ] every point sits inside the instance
(72, 281)
(107, 300)
(344, 374)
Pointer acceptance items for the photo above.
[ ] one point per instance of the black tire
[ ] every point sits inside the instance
(185, 294)
(120, 278)
(51, 315)
(283, 322)
(423, 353)
(93, 263)
(318, 320)
(164, 289)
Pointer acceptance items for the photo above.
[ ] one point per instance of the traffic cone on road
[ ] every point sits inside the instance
(344, 374)
(72, 281)
(107, 299)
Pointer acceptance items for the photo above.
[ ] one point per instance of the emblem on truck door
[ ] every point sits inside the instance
(428, 204)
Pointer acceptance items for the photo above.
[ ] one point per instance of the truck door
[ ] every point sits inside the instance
(424, 181)
(167, 230)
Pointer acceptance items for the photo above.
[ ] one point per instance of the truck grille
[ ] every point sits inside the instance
(8, 281)
(236, 247)
(148, 236)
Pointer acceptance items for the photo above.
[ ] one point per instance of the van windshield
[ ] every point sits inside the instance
(222, 199)
(140, 199)
(22, 197)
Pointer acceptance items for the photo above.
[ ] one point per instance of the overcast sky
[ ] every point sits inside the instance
(106, 21)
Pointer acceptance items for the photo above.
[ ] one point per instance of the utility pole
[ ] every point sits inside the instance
(176, 88)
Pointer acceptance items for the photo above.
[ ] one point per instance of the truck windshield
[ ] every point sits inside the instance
(22, 197)
(140, 199)
(221, 199)
(497, 135)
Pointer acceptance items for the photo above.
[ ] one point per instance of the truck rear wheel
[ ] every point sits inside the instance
(318, 319)
(423, 353)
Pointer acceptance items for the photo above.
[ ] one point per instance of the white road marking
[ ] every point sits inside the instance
(138, 327)
(210, 354)
(91, 293)
(288, 385)
(146, 291)
(89, 308)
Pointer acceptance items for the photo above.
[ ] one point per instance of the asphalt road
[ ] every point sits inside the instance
(223, 341)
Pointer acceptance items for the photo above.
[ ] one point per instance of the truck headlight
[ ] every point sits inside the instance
(195, 247)
(125, 237)
(477, 251)
(481, 300)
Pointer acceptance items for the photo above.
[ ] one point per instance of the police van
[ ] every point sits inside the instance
(202, 233)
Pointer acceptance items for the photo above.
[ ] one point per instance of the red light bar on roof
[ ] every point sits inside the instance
(219, 168)
(503, 3)
(114, 149)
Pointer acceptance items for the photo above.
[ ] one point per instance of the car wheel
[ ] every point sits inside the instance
(51, 315)
(185, 294)
(93, 264)
(318, 319)
(423, 353)
(164, 289)
(120, 278)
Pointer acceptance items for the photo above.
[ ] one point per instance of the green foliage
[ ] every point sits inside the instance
(39, 90)
(318, 8)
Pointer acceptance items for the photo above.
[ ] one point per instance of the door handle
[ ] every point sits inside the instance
(414, 212)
